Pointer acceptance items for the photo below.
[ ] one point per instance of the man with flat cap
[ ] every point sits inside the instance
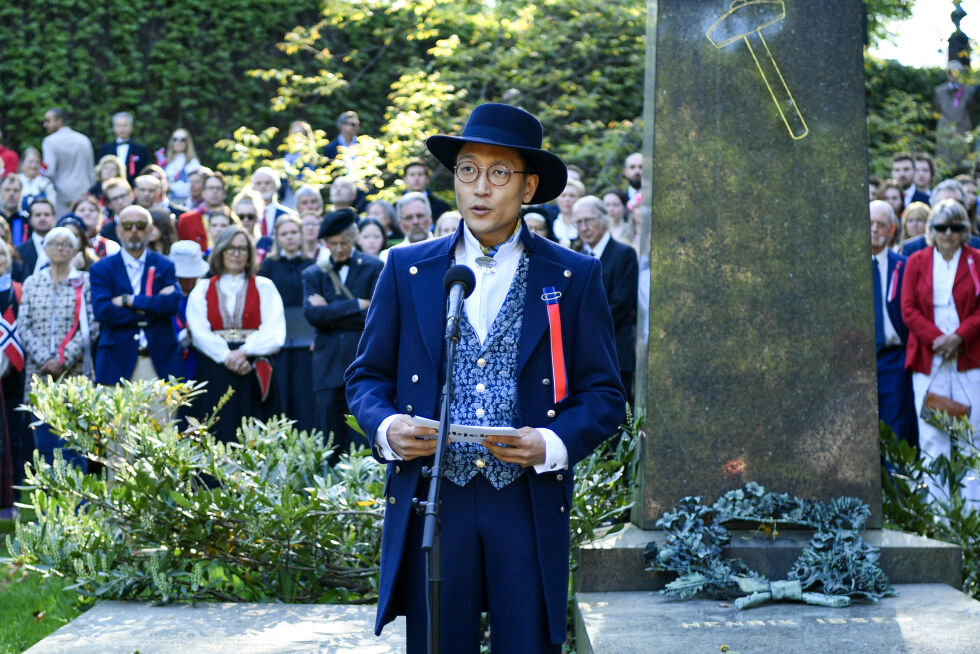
(336, 295)
(529, 358)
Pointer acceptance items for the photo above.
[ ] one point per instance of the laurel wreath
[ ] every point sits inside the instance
(836, 565)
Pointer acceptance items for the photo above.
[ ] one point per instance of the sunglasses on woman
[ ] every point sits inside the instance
(955, 228)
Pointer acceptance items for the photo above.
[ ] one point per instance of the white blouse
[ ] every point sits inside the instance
(943, 275)
(267, 339)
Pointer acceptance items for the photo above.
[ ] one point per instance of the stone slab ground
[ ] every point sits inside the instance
(922, 619)
(128, 627)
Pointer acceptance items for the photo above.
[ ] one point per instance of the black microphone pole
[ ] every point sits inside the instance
(458, 282)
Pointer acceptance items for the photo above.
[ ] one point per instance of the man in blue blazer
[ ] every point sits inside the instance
(134, 298)
(530, 357)
(896, 404)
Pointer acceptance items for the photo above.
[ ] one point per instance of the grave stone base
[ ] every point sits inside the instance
(923, 619)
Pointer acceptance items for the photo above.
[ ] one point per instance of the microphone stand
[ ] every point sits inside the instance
(432, 529)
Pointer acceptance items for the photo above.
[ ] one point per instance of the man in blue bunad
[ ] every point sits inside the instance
(537, 352)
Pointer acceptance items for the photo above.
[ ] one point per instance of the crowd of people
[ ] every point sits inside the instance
(126, 263)
(925, 257)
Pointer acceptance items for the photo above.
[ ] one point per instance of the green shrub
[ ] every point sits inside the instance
(909, 507)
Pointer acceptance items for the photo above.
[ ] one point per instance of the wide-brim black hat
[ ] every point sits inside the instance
(508, 127)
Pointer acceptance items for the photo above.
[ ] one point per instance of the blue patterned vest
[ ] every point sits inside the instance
(486, 395)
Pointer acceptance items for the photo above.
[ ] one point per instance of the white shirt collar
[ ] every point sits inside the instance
(129, 259)
(600, 247)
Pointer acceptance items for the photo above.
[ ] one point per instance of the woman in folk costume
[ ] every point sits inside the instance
(236, 321)
(13, 449)
(57, 326)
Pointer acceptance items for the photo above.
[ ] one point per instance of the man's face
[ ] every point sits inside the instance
(118, 199)
(264, 185)
(51, 124)
(42, 218)
(340, 247)
(416, 178)
(196, 185)
(309, 202)
(134, 231)
(342, 194)
(491, 211)
(633, 170)
(214, 192)
(122, 126)
(349, 127)
(415, 221)
(902, 172)
(146, 193)
(882, 228)
(588, 222)
(10, 194)
(923, 175)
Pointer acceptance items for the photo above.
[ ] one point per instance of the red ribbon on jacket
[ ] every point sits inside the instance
(150, 274)
(973, 276)
(132, 165)
(892, 291)
(78, 312)
(550, 297)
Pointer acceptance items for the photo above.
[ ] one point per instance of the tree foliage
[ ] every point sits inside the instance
(178, 63)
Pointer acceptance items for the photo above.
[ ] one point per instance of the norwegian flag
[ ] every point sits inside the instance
(9, 341)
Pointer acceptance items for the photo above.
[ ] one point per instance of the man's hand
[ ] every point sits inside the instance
(364, 304)
(52, 367)
(119, 300)
(526, 450)
(406, 439)
(947, 346)
(237, 362)
(316, 300)
(167, 290)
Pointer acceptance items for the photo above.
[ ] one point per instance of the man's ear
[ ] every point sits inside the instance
(530, 186)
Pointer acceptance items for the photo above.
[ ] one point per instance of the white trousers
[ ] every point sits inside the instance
(932, 441)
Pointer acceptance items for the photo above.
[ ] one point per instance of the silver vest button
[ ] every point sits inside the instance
(414, 271)
(408, 408)
(480, 413)
(551, 413)
(415, 379)
(546, 381)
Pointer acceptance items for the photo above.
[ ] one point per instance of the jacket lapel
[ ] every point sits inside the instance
(430, 303)
(541, 272)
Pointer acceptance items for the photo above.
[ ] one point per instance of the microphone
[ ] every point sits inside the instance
(458, 282)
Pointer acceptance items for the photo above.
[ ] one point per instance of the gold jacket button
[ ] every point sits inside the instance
(568, 273)
(391, 500)
(560, 478)
(481, 362)
(551, 413)
(480, 413)
(408, 408)
(546, 381)
(413, 270)
(480, 463)
(415, 379)
(480, 388)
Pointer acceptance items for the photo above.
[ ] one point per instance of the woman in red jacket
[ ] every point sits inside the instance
(941, 307)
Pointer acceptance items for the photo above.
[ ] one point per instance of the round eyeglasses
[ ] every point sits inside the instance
(498, 174)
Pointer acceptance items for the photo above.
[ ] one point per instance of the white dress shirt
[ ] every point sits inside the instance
(943, 275)
(42, 255)
(122, 151)
(134, 268)
(482, 307)
(881, 260)
(267, 339)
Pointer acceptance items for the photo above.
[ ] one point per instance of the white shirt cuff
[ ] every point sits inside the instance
(381, 439)
(555, 452)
